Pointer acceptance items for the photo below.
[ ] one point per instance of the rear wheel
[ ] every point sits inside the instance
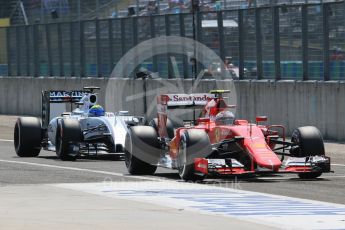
(68, 132)
(170, 127)
(194, 143)
(310, 143)
(28, 136)
(142, 150)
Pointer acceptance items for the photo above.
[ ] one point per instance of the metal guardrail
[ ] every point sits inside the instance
(301, 41)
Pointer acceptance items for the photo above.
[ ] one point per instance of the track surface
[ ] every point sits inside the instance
(42, 182)
(48, 169)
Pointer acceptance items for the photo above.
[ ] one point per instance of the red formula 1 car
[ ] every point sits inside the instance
(218, 144)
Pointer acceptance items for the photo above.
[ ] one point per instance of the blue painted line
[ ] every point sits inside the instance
(239, 203)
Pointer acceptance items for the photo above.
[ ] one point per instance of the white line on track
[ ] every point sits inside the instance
(83, 170)
(4, 140)
(127, 176)
(340, 176)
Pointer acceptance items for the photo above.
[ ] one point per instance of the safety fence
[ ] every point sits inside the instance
(301, 41)
(47, 11)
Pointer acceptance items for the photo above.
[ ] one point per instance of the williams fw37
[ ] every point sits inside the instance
(85, 130)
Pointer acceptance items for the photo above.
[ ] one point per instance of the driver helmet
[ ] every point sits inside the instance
(96, 111)
(225, 118)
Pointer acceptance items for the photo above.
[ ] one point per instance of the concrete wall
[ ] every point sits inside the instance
(296, 103)
(290, 103)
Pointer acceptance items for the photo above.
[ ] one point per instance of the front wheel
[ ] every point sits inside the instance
(309, 175)
(194, 143)
(309, 142)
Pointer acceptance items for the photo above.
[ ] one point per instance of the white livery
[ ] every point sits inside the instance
(86, 130)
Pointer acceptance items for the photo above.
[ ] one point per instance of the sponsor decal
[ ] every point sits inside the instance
(189, 99)
(61, 96)
(183, 97)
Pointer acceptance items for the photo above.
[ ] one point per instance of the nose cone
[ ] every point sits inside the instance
(264, 156)
(271, 162)
(257, 147)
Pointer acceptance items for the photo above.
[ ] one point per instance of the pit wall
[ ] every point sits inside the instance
(290, 103)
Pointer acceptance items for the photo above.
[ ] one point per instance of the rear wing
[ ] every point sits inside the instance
(212, 103)
(166, 101)
(55, 97)
(65, 96)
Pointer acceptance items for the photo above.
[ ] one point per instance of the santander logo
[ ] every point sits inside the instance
(191, 98)
(200, 97)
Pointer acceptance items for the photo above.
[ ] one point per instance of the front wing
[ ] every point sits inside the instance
(218, 167)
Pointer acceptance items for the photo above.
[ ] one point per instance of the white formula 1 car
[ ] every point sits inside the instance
(86, 130)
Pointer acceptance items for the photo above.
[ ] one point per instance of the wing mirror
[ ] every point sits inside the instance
(203, 120)
(260, 119)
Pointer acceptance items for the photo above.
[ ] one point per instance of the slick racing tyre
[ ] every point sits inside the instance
(28, 136)
(142, 150)
(310, 143)
(170, 127)
(309, 175)
(194, 143)
(67, 133)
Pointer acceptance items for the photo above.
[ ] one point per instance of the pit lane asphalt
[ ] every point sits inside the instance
(47, 169)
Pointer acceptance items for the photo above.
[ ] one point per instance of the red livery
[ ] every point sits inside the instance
(218, 144)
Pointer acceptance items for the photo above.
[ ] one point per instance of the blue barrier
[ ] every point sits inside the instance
(3, 70)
